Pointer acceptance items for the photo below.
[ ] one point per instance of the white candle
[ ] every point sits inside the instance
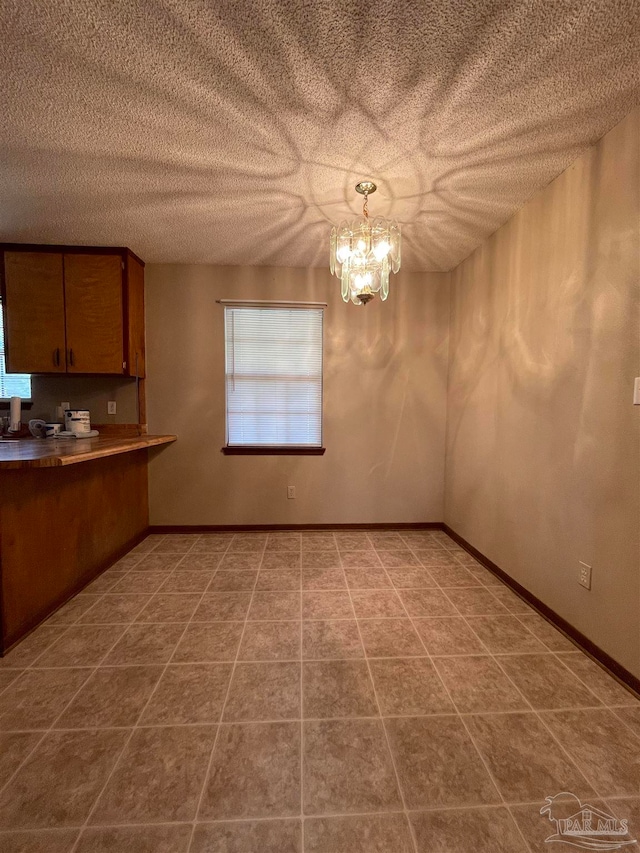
(15, 415)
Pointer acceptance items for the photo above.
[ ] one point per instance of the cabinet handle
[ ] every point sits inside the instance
(71, 362)
(56, 357)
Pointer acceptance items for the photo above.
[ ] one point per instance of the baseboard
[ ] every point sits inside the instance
(238, 528)
(605, 660)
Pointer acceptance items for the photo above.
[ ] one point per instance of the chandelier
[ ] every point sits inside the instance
(364, 252)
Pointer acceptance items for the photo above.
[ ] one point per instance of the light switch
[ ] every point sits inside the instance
(636, 391)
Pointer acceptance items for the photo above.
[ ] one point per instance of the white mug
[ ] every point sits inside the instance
(77, 421)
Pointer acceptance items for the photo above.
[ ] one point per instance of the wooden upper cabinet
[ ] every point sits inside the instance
(93, 307)
(69, 311)
(33, 305)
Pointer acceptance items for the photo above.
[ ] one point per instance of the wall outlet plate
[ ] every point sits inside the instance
(584, 578)
(111, 407)
(636, 391)
(291, 492)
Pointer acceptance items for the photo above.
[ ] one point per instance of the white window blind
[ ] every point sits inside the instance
(12, 384)
(273, 376)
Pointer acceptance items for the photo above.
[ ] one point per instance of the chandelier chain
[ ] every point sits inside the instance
(365, 206)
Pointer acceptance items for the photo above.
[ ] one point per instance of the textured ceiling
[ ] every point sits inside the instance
(234, 132)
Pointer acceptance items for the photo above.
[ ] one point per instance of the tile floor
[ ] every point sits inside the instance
(344, 692)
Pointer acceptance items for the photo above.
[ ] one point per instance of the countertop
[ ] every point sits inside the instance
(55, 452)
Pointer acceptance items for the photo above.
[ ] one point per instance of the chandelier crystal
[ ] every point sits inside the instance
(363, 253)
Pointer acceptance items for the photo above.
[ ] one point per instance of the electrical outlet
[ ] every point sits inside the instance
(111, 407)
(60, 410)
(291, 492)
(636, 391)
(584, 579)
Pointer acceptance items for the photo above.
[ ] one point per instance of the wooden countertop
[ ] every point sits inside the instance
(54, 452)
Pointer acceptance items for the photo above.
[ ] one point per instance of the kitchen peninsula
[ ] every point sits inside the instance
(68, 510)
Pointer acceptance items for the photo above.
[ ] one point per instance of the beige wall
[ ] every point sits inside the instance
(385, 370)
(85, 392)
(543, 443)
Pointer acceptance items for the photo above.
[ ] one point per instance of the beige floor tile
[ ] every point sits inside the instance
(360, 559)
(270, 580)
(376, 604)
(174, 546)
(321, 560)
(158, 563)
(502, 634)
(386, 541)
(188, 693)
(81, 645)
(246, 546)
(630, 716)
(213, 642)
(271, 641)
(476, 601)
(112, 696)
(114, 608)
(436, 557)
(546, 682)
(241, 562)
(263, 691)
(331, 639)
(145, 644)
(477, 684)
(14, 748)
(606, 688)
(38, 697)
(326, 605)
(337, 688)
(544, 631)
(105, 583)
(70, 612)
(273, 606)
(427, 602)
(347, 768)
(411, 578)
(140, 582)
(537, 828)
(136, 839)
(511, 601)
(353, 542)
(453, 577)
(448, 636)
(59, 782)
(398, 559)
(467, 831)
(390, 638)
(39, 841)
(437, 763)
(318, 542)
(27, 651)
(186, 582)
(604, 749)
(409, 687)
(8, 676)
(199, 563)
(158, 778)
(212, 544)
(233, 581)
(170, 607)
(367, 578)
(281, 560)
(383, 833)
(261, 836)
(222, 607)
(419, 539)
(255, 772)
(485, 577)
(283, 542)
(320, 579)
(524, 758)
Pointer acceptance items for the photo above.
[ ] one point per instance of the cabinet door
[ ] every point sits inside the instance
(33, 308)
(93, 306)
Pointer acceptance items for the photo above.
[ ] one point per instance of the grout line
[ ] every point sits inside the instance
(222, 709)
(386, 735)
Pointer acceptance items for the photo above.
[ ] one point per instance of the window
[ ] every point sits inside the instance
(273, 377)
(12, 384)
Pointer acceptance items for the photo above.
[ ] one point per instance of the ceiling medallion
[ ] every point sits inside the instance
(364, 252)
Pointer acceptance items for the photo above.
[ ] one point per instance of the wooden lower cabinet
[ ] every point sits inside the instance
(59, 528)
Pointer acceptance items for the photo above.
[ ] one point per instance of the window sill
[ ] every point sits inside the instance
(273, 451)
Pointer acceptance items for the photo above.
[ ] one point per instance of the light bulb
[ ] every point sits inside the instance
(381, 250)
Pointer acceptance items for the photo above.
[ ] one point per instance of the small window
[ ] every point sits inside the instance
(12, 384)
(273, 377)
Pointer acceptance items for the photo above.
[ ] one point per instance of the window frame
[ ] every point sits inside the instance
(273, 449)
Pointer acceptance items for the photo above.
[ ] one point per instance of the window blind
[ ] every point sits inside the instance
(273, 376)
(12, 384)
